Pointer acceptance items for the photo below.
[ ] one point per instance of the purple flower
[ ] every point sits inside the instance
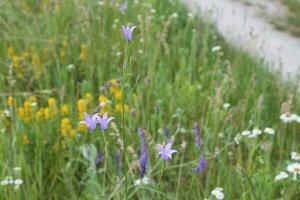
(123, 7)
(104, 121)
(197, 135)
(127, 32)
(201, 164)
(143, 152)
(99, 158)
(90, 120)
(166, 152)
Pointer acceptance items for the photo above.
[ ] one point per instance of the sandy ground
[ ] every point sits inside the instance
(246, 24)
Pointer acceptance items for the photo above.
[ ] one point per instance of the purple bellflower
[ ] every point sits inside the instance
(99, 158)
(104, 121)
(90, 120)
(143, 152)
(127, 32)
(201, 164)
(197, 135)
(165, 151)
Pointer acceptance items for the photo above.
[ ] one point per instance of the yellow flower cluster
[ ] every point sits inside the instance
(83, 103)
(83, 52)
(10, 101)
(66, 128)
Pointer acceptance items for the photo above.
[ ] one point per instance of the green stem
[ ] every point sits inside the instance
(160, 177)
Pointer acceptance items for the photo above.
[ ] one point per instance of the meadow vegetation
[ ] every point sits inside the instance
(176, 82)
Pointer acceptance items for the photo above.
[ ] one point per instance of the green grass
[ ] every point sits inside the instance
(291, 22)
(173, 81)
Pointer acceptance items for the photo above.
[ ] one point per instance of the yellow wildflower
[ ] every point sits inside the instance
(88, 97)
(117, 94)
(10, 51)
(81, 127)
(25, 139)
(83, 52)
(114, 83)
(104, 104)
(81, 108)
(65, 127)
(27, 111)
(52, 107)
(10, 100)
(64, 109)
(119, 108)
(21, 112)
(46, 112)
(39, 114)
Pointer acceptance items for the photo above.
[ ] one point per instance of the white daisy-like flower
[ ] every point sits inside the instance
(6, 113)
(269, 131)
(254, 133)
(246, 133)
(218, 193)
(226, 106)
(294, 117)
(295, 155)
(281, 175)
(70, 66)
(294, 168)
(216, 48)
(18, 182)
(137, 182)
(146, 180)
(285, 118)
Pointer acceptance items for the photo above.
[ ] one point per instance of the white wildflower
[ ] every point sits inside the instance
(294, 168)
(295, 155)
(146, 180)
(137, 182)
(18, 182)
(246, 133)
(269, 131)
(70, 67)
(254, 133)
(281, 175)
(218, 193)
(226, 106)
(216, 48)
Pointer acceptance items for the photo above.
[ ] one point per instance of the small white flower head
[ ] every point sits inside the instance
(226, 106)
(269, 131)
(70, 66)
(153, 10)
(246, 133)
(295, 155)
(216, 48)
(285, 118)
(18, 182)
(294, 117)
(255, 133)
(294, 168)
(218, 193)
(146, 180)
(6, 113)
(137, 182)
(118, 53)
(282, 175)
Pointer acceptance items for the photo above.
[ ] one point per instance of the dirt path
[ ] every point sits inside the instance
(246, 24)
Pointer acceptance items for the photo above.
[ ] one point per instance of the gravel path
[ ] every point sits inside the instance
(246, 24)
